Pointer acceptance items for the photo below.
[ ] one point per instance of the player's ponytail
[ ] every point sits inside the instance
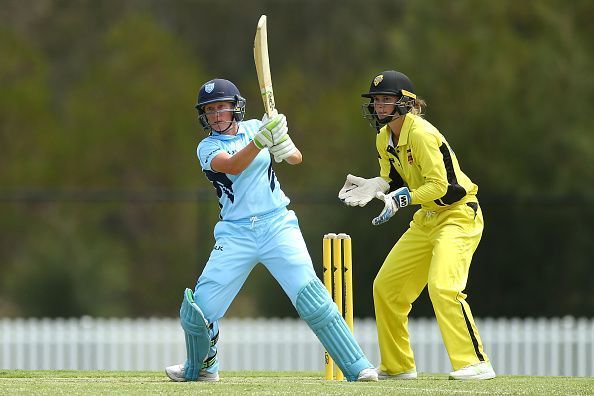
(418, 106)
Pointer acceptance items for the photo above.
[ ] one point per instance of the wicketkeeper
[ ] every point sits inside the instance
(418, 167)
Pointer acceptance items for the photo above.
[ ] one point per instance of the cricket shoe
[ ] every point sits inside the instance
(406, 375)
(367, 375)
(177, 371)
(479, 371)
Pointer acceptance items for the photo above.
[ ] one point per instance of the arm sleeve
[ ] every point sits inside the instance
(425, 148)
(206, 151)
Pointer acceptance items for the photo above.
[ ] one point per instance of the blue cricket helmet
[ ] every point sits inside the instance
(219, 90)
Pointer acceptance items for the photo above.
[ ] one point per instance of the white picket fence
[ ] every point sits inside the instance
(515, 346)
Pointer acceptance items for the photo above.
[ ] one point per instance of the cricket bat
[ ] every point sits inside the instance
(263, 67)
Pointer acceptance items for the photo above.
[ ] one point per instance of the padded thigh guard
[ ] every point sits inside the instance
(197, 336)
(315, 306)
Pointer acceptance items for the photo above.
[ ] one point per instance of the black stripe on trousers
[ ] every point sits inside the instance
(472, 336)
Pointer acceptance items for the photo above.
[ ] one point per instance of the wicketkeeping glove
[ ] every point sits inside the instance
(393, 201)
(272, 131)
(358, 191)
(284, 149)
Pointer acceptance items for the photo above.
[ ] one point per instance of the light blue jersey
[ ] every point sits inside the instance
(253, 192)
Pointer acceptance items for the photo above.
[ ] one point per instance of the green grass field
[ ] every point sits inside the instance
(276, 383)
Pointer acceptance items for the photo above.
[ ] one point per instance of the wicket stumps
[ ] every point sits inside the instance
(338, 279)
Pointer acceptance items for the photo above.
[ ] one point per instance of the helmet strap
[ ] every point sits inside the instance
(391, 117)
(226, 129)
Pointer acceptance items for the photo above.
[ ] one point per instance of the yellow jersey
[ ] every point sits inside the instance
(423, 160)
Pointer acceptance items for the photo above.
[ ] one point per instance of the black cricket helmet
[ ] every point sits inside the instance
(389, 82)
(219, 90)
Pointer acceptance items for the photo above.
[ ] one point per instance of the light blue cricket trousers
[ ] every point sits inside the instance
(273, 239)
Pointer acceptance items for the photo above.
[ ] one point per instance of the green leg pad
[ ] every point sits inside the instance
(197, 336)
(316, 307)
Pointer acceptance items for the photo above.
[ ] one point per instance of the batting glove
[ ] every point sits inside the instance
(271, 131)
(358, 191)
(392, 202)
(280, 130)
(284, 149)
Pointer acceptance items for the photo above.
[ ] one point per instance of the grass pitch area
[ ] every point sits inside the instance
(276, 383)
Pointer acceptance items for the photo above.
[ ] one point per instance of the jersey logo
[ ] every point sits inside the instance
(209, 154)
(409, 156)
(218, 247)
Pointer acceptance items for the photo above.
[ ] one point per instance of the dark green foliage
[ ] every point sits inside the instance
(104, 209)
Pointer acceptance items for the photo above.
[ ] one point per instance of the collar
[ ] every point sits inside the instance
(404, 131)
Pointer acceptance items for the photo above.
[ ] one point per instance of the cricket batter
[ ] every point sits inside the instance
(255, 227)
(418, 167)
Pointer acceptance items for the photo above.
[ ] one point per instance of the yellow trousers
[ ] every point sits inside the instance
(435, 251)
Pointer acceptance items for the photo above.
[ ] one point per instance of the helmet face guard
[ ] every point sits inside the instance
(219, 90)
(391, 83)
(402, 105)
